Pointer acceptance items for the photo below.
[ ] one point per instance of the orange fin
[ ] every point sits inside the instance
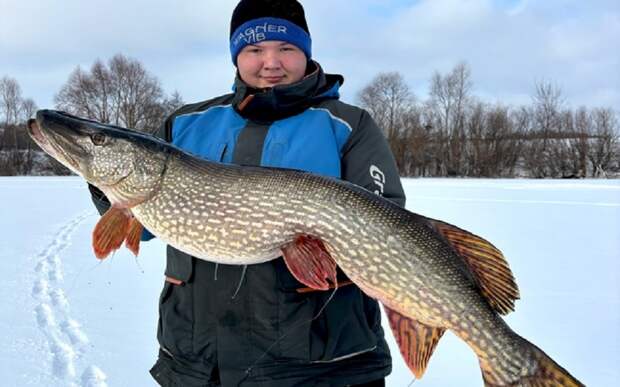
(415, 340)
(132, 242)
(310, 263)
(487, 264)
(110, 231)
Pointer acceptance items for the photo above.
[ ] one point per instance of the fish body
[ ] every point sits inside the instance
(430, 276)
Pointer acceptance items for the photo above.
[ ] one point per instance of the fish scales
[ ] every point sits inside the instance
(341, 217)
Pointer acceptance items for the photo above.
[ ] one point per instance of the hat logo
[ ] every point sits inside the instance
(259, 33)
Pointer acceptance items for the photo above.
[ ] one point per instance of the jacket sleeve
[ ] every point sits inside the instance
(367, 161)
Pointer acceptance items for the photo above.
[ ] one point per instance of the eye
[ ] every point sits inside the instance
(98, 138)
(251, 50)
(289, 48)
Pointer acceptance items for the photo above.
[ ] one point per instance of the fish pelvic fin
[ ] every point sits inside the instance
(486, 263)
(540, 371)
(112, 230)
(134, 233)
(310, 263)
(416, 341)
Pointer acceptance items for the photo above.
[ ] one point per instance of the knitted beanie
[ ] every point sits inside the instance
(254, 21)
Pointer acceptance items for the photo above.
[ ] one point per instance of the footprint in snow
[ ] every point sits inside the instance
(66, 340)
(63, 362)
(40, 290)
(45, 316)
(94, 377)
(73, 330)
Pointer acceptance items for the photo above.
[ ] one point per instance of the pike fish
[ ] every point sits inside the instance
(429, 275)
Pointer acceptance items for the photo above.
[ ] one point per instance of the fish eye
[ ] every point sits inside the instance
(98, 138)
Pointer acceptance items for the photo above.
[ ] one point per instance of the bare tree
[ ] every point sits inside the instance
(10, 105)
(548, 102)
(605, 141)
(159, 111)
(10, 100)
(450, 98)
(583, 129)
(545, 151)
(28, 109)
(389, 100)
(122, 93)
(87, 94)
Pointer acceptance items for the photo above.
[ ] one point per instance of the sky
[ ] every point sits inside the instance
(71, 320)
(509, 44)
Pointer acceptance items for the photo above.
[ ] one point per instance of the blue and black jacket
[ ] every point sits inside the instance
(235, 326)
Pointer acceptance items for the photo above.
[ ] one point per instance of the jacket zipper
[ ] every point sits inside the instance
(350, 355)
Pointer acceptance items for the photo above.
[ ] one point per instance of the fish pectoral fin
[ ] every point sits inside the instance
(415, 340)
(310, 263)
(132, 242)
(486, 263)
(111, 231)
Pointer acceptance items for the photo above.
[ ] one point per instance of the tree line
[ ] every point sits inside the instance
(454, 133)
(120, 92)
(450, 133)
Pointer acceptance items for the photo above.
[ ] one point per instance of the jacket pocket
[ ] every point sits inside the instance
(323, 326)
(175, 332)
(294, 316)
(344, 328)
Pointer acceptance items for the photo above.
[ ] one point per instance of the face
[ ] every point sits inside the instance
(270, 63)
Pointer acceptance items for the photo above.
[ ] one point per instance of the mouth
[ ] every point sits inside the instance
(273, 79)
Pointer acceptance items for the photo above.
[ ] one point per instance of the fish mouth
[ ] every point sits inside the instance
(34, 130)
(45, 140)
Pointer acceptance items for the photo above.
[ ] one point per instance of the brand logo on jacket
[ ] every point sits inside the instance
(378, 177)
(259, 33)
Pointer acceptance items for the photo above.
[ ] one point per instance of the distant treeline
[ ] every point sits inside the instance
(122, 93)
(451, 133)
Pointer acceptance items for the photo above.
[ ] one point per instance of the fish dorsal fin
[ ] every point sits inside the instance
(114, 227)
(415, 340)
(487, 264)
(308, 260)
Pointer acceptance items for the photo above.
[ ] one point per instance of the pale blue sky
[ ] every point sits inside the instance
(509, 44)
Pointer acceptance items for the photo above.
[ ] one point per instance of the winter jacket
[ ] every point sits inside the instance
(250, 326)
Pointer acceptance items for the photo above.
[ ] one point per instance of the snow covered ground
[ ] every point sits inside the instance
(68, 320)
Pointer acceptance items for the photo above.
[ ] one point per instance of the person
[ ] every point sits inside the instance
(257, 326)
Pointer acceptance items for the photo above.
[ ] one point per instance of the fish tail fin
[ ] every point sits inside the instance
(537, 370)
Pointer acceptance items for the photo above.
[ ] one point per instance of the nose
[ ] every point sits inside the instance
(272, 60)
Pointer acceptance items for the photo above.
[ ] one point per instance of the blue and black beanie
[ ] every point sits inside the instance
(254, 21)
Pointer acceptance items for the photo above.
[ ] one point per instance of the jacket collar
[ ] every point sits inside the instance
(279, 102)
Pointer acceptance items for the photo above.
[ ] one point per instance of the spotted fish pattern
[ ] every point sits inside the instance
(430, 276)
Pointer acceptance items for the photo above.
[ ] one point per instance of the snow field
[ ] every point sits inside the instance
(67, 319)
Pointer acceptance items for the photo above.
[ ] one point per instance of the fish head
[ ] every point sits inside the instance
(126, 165)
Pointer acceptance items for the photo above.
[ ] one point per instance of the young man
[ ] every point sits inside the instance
(256, 325)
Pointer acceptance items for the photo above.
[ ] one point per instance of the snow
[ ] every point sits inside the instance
(69, 320)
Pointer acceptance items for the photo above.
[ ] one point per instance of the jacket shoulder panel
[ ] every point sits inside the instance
(349, 114)
(208, 129)
(201, 106)
(295, 142)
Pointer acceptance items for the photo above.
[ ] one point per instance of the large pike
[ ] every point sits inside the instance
(429, 275)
